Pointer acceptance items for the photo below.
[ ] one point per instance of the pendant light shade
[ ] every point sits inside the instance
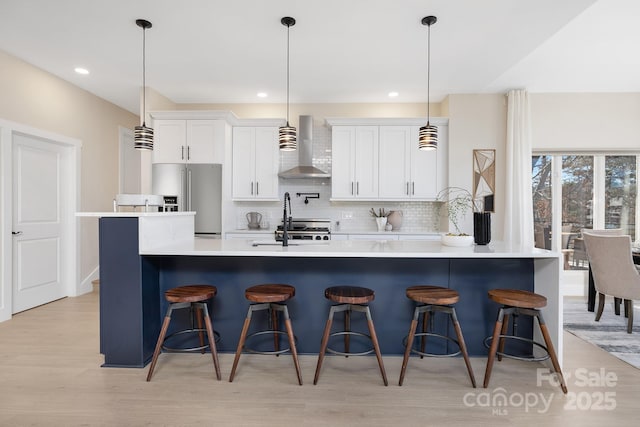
(287, 135)
(428, 136)
(143, 135)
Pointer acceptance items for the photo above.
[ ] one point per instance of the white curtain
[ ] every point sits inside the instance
(518, 222)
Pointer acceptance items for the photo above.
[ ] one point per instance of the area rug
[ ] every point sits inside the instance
(610, 333)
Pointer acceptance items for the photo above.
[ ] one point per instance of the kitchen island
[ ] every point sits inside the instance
(137, 266)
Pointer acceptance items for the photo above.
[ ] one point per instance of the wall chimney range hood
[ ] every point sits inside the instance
(305, 168)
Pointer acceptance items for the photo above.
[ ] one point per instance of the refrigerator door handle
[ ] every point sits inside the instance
(189, 189)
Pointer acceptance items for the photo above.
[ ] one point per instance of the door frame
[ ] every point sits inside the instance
(70, 226)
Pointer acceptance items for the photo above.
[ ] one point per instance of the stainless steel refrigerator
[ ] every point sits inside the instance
(198, 188)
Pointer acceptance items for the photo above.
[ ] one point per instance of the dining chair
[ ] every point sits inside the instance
(614, 272)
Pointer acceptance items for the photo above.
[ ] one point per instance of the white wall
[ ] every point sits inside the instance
(37, 99)
(586, 121)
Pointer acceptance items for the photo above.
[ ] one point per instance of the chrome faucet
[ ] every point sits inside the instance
(285, 225)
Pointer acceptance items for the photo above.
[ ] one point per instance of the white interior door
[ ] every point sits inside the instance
(37, 222)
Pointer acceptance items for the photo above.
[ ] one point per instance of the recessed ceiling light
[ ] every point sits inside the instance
(393, 94)
(261, 94)
(81, 70)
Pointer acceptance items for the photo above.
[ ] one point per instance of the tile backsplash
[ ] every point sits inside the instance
(344, 215)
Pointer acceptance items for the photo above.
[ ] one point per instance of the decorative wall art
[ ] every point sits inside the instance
(484, 177)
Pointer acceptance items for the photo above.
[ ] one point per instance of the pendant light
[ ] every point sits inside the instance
(143, 135)
(287, 135)
(428, 136)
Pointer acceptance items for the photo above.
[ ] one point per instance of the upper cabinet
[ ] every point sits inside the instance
(255, 163)
(188, 141)
(409, 173)
(354, 151)
(379, 159)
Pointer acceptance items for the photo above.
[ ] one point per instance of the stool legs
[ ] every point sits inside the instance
(426, 311)
(273, 308)
(243, 337)
(201, 312)
(212, 341)
(158, 349)
(552, 352)
(323, 345)
(497, 338)
(347, 308)
(463, 347)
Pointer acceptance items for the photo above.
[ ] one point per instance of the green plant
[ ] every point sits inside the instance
(458, 202)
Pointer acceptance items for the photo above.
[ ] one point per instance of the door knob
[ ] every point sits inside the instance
(16, 233)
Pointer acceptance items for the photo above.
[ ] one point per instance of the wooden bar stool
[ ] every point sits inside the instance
(269, 297)
(514, 303)
(191, 297)
(348, 299)
(433, 299)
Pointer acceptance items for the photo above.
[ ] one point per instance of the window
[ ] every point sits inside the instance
(575, 191)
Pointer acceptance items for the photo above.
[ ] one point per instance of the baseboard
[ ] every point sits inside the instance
(86, 286)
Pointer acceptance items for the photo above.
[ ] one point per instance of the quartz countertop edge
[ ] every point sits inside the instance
(342, 248)
(131, 214)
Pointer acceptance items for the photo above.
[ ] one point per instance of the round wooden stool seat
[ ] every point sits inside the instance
(349, 294)
(271, 292)
(191, 293)
(435, 295)
(517, 298)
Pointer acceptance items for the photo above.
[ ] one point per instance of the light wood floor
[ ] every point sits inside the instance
(50, 375)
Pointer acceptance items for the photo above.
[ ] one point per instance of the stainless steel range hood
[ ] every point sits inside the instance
(305, 168)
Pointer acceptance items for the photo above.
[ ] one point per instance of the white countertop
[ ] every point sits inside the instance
(133, 214)
(342, 248)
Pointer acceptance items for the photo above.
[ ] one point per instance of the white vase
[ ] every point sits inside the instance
(381, 222)
(459, 241)
(395, 219)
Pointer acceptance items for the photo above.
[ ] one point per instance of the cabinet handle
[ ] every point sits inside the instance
(252, 188)
(188, 153)
(357, 188)
(407, 190)
(413, 188)
(182, 152)
(352, 188)
(257, 188)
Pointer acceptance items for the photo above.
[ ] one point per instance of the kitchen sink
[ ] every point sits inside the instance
(291, 242)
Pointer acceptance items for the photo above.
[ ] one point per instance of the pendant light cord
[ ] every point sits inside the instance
(144, 73)
(288, 29)
(428, 72)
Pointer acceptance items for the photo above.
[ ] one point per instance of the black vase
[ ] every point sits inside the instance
(482, 227)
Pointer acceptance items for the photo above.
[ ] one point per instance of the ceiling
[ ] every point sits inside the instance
(214, 51)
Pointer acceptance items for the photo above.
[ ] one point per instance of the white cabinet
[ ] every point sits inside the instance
(188, 141)
(407, 172)
(354, 162)
(255, 163)
(378, 159)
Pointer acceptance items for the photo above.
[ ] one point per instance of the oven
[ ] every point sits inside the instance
(305, 229)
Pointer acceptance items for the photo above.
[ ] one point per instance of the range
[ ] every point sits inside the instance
(305, 229)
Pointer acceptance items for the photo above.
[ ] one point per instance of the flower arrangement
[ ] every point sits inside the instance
(458, 202)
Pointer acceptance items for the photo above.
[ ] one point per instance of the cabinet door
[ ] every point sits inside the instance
(366, 162)
(201, 142)
(243, 163)
(342, 161)
(170, 141)
(267, 157)
(395, 155)
(425, 169)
